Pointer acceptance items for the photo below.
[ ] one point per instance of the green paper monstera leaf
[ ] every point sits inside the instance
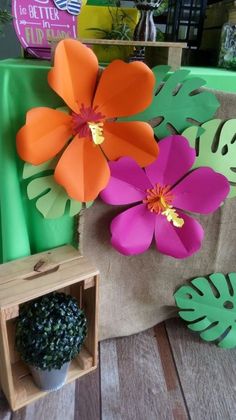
(209, 305)
(176, 103)
(52, 198)
(215, 144)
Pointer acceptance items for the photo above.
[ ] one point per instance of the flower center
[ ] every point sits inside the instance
(88, 123)
(159, 200)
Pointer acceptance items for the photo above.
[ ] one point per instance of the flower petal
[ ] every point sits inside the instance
(74, 75)
(132, 139)
(175, 158)
(44, 135)
(178, 242)
(82, 170)
(124, 89)
(132, 231)
(201, 191)
(128, 183)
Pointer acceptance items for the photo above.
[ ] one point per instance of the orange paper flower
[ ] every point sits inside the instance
(89, 131)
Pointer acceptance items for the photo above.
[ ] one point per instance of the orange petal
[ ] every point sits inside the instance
(82, 170)
(132, 139)
(124, 89)
(74, 74)
(43, 136)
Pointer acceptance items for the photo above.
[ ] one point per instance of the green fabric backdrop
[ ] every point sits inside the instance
(23, 85)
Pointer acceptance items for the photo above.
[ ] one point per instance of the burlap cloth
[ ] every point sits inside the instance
(137, 292)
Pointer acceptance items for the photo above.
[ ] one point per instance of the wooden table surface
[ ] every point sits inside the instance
(102, 41)
(165, 373)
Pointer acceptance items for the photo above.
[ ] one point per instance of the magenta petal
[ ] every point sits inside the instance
(132, 231)
(201, 191)
(178, 242)
(175, 158)
(127, 184)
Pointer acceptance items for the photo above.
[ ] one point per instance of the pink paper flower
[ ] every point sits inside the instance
(162, 190)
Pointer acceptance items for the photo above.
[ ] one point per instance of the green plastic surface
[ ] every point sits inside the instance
(23, 85)
(215, 78)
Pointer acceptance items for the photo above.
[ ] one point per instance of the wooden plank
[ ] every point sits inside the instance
(68, 273)
(87, 397)
(174, 58)
(89, 283)
(11, 313)
(90, 306)
(175, 395)
(55, 406)
(110, 387)
(207, 374)
(133, 43)
(25, 266)
(130, 43)
(11, 333)
(85, 359)
(133, 384)
(5, 364)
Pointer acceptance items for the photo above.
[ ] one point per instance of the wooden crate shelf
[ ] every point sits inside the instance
(62, 269)
(25, 389)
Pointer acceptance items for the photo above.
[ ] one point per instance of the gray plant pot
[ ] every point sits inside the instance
(50, 380)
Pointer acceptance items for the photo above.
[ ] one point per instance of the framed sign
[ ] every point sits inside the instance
(37, 21)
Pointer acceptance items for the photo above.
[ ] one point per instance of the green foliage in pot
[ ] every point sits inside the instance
(50, 331)
(121, 28)
(120, 23)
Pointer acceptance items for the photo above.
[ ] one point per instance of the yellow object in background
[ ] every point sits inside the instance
(100, 17)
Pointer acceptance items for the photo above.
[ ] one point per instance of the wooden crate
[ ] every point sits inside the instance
(62, 269)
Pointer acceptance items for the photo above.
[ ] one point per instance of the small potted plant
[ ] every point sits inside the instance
(116, 23)
(49, 334)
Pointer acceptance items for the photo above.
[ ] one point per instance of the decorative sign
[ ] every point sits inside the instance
(37, 21)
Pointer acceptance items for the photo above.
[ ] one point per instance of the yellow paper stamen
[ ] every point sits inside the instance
(159, 199)
(97, 132)
(172, 216)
